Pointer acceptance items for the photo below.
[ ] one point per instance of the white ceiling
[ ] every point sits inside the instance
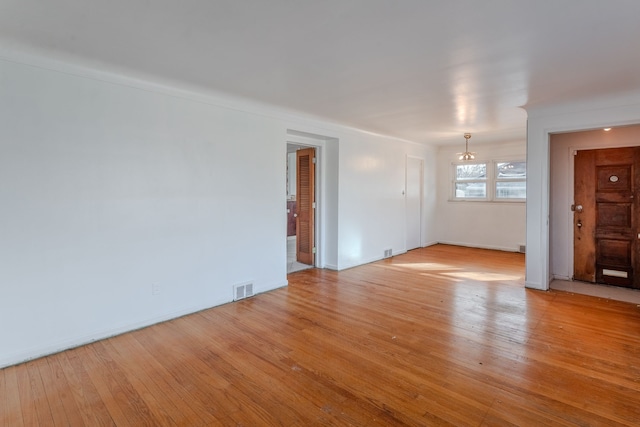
(422, 70)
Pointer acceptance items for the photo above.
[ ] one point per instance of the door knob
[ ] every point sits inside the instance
(295, 215)
(579, 224)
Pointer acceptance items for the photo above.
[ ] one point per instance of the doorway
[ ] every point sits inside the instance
(605, 225)
(301, 206)
(413, 199)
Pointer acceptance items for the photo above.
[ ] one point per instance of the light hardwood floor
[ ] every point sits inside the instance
(439, 336)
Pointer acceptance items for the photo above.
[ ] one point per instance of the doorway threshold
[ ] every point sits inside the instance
(602, 291)
(295, 266)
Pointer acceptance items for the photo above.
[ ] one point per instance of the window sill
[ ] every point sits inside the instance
(523, 201)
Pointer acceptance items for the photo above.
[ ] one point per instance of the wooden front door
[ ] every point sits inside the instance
(305, 206)
(605, 224)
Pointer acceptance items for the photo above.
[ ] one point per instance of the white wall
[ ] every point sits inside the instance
(562, 147)
(596, 114)
(111, 186)
(372, 207)
(108, 190)
(491, 225)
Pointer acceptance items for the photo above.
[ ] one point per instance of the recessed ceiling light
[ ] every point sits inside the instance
(607, 129)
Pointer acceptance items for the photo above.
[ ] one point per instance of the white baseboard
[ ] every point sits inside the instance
(491, 247)
(368, 261)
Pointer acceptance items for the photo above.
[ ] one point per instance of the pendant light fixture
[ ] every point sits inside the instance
(467, 155)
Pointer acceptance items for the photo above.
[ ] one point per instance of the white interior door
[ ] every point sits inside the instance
(413, 199)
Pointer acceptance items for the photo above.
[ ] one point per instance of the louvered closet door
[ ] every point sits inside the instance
(305, 195)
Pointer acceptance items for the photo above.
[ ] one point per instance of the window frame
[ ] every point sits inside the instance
(485, 181)
(491, 181)
(497, 180)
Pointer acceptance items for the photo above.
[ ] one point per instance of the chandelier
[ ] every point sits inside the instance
(467, 155)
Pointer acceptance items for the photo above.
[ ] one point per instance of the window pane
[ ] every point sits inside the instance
(471, 171)
(511, 189)
(471, 190)
(512, 170)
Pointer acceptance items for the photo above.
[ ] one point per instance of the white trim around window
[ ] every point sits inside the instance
(489, 181)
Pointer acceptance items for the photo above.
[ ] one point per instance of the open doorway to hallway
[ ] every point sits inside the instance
(301, 207)
(585, 255)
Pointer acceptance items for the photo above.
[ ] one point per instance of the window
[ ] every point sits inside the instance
(511, 180)
(490, 181)
(470, 181)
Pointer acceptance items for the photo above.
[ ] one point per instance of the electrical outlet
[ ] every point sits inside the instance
(155, 289)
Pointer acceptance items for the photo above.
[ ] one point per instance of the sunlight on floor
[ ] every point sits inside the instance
(482, 276)
(456, 272)
(427, 266)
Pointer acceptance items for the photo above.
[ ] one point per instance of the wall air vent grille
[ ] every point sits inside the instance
(242, 291)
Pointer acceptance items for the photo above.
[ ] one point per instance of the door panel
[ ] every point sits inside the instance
(305, 206)
(584, 244)
(605, 228)
(614, 215)
(413, 202)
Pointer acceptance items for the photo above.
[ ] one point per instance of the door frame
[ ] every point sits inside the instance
(305, 213)
(406, 184)
(571, 201)
(319, 145)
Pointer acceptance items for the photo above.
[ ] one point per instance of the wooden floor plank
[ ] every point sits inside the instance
(11, 415)
(207, 388)
(438, 336)
(124, 403)
(63, 406)
(39, 394)
(90, 405)
(27, 393)
(152, 381)
(8, 399)
(53, 391)
(319, 401)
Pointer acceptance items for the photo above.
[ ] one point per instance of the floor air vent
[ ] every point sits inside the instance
(388, 253)
(242, 291)
(522, 249)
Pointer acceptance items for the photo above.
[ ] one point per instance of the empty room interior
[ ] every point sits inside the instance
(355, 212)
